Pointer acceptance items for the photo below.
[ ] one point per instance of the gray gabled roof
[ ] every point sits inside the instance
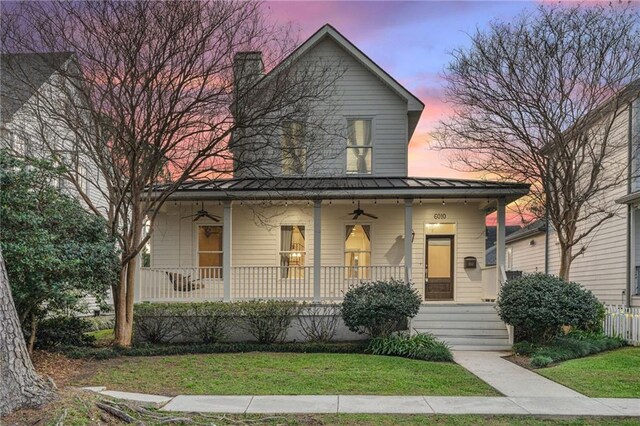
(22, 74)
(347, 187)
(536, 227)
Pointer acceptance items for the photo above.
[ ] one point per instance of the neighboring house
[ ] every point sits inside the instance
(490, 242)
(30, 85)
(610, 264)
(526, 248)
(356, 217)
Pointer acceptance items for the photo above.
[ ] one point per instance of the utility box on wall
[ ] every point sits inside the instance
(470, 262)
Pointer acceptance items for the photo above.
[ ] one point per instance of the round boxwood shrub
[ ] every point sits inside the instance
(538, 305)
(379, 308)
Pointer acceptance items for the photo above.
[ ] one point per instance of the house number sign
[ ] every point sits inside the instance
(440, 216)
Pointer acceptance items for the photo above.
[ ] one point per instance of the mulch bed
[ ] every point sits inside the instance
(58, 367)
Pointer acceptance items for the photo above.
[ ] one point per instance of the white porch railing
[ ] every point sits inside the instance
(256, 282)
(180, 284)
(623, 322)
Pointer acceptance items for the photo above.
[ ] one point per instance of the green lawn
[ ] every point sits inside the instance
(259, 373)
(614, 374)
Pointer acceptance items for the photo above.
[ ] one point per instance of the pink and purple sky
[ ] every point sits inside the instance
(411, 41)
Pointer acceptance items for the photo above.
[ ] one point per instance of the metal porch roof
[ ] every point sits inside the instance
(346, 187)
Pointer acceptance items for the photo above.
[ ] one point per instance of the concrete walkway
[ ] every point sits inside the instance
(375, 404)
(509, 378)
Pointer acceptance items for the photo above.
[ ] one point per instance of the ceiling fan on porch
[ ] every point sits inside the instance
(203, 213)
(360, 212)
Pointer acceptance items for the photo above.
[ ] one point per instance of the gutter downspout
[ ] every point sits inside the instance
(630, 261)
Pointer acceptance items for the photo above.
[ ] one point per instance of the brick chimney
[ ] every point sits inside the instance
(247, 69)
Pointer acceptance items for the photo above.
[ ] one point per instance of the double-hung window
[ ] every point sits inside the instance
(357, 251)
(210, 251)
(294, 151)
(292, 251)
(359, 146)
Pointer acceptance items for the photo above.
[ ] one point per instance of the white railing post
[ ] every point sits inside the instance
(501, 251)
(317, 250)
(408, 236)
(136, 280)
(226, 251)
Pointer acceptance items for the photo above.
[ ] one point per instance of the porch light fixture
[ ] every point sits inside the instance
(443, 203)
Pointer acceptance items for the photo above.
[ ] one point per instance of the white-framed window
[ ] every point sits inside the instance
(509, 253)
(292, 251)
(210, 249)
(357, 250)
(294, 151)
(359, 146)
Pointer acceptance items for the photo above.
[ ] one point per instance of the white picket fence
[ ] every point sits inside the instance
(623, 322)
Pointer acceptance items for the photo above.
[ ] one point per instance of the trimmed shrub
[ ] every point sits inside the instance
(206, 322)
(422, 346)
(379, 308)
(573, 345)
(538, 305)
(156, 322)
(63, 331)
(268, 320)
(319, 323)
(184, 349)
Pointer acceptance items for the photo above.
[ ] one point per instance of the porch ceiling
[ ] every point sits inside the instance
(313, 188)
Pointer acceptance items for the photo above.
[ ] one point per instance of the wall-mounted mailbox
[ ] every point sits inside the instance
(470, 262)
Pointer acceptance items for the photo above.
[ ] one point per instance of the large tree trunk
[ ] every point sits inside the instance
(20, 386)
(125, 297)
(123, 319)
(565, 262)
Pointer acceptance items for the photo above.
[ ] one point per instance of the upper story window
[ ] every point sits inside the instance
(294, 152)
(359, 146)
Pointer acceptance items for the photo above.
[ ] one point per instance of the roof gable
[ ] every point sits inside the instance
(413, 103)
(22, 74)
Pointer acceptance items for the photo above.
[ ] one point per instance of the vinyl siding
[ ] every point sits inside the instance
(358, 94)
(255, 241)
(603, 267)
(528, 258)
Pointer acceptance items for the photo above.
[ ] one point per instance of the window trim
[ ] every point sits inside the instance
(372, 119)
(344, 245)
(279, 244)
(284, 149)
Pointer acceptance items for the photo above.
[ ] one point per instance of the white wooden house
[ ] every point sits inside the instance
(353, 216)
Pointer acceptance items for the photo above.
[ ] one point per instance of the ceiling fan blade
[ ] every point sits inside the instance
(212, 217)
(372, 216)
(355, 216)
(187, 217)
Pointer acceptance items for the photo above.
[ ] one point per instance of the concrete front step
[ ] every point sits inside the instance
(458, 308)
(462, 332)
(463, 326)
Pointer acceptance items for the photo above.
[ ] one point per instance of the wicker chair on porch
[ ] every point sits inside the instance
(183, 282)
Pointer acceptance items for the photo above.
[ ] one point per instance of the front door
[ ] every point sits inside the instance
(439, 268)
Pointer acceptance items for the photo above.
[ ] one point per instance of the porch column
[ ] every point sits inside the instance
(317, 244)
(408, 236)
(501, 252)
(226, 251)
